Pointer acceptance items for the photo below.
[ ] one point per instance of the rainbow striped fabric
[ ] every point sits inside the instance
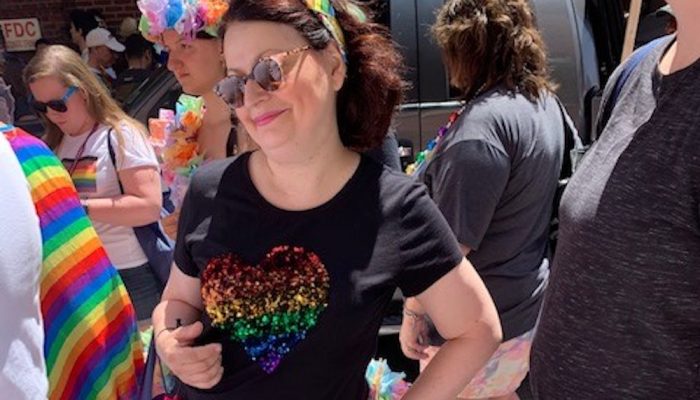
(84, 175)
(326, 12)
(92, 348)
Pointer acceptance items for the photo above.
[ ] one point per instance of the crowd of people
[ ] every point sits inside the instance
(276, 179)
(121, 62)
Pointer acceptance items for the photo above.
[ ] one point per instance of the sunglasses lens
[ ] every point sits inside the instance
(57, 105)
(268, 74)
(231, 90)
(39, 107)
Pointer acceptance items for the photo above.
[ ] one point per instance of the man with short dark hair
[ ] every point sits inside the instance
(139, 55)
(81, 23)
(41, 44)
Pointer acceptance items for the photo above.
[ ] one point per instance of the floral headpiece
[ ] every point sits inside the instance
(186, 17)
(326, 13)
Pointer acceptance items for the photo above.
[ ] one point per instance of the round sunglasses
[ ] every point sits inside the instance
(267, 73)
(56, 105)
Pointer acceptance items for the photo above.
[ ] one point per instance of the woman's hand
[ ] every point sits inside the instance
(413, 336)
(196, 366)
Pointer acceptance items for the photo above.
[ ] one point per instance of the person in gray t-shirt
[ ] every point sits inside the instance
(621, 319)
(494, 174)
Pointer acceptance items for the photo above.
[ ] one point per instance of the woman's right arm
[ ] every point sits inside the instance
(180, 300)
(197, 366)
(464, 314)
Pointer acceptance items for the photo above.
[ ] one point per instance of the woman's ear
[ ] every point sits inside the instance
(339, 68)
(83, 94)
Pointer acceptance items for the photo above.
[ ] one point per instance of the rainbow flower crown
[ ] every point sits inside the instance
(186, 17)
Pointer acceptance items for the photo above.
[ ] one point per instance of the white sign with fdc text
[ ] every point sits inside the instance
(20, 34)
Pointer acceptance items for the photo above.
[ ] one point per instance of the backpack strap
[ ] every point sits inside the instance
(572, 141)
(625, 73)
(113, 157)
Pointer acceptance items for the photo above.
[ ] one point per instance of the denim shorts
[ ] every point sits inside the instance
(144, 289)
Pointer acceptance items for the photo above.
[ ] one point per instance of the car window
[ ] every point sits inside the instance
(160, 90)
(145, 86)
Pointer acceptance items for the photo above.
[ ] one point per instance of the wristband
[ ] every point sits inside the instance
(86, 208)
(178, 324)
(413, 314)
(161, 331)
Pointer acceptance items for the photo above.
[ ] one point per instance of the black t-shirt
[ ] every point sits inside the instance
(128, 81)
(308, 289)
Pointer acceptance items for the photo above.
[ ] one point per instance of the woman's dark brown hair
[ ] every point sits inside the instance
(373, 87)
(492, 42)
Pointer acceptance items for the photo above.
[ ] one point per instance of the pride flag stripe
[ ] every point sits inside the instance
(91, 345)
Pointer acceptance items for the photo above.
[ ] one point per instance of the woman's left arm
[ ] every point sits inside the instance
(464, 314)
(139, 205)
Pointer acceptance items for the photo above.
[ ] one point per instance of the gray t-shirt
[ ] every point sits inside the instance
(493, 177)
(621, 319)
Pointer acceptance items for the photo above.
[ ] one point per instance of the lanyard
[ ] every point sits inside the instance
(81, 150)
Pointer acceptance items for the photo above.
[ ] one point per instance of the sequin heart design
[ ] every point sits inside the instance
(269, 308)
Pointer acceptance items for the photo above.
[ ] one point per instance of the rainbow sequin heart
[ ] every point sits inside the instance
(268, 308)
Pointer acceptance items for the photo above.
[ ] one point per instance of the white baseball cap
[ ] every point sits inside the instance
(665, 10)
(102, 37)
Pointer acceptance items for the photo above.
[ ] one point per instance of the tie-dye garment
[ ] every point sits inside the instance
(503, 372)
(91, 344)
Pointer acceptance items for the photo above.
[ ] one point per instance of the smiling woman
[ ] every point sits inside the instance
(119, 191)
(288, 256)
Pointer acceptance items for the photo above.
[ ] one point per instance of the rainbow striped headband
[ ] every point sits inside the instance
(326, 13)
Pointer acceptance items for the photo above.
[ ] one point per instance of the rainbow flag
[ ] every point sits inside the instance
(92, 348)
(85, 174)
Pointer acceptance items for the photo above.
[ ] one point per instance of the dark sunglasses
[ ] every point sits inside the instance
(56, 105)
(267, 73)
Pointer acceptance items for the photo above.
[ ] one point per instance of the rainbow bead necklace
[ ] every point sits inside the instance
(427, 154)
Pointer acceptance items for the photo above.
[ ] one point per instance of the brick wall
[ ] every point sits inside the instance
(53, 14)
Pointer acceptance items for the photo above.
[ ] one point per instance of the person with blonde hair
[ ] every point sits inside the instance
(109, 158)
